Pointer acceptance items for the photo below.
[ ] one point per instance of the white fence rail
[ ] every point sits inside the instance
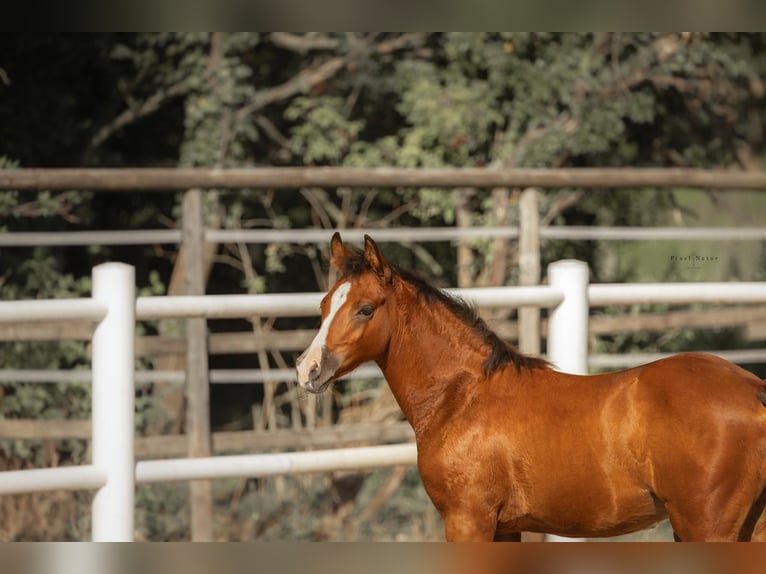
(42, 311)
(86, 476)
(250, 376)
(114, 308)
(381, 235)
(650, 293)
(260, 465)
(307, 304)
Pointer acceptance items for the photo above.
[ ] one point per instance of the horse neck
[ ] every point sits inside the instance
(432, 355)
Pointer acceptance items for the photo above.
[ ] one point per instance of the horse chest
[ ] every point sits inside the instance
(475, 465)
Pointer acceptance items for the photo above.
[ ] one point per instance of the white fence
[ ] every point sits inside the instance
(114, 309)
(381, 235)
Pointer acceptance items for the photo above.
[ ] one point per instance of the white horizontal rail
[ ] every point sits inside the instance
(234, 376)
(46, 376)
(235, 466)
(540, 296)
(598, 233)
(76, 238)
(307, 304)
(228, 306)
(382, 235)
(739, 356)
(59, 478)
(428, 234)
(260, 465)
(45, 310)
(647, 293)
(368, 371)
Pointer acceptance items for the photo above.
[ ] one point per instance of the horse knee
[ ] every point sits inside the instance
(459, 527)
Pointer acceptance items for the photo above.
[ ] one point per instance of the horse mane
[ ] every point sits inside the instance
(501, 354)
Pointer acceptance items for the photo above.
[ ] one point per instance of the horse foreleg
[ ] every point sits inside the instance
(466, 526)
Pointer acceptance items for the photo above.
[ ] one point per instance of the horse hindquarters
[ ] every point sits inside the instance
(723, 498)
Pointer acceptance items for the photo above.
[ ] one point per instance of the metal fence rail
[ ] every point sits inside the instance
(649, 293)
(381, 235)
(87, 476)
(260, 465)
(45, 310)
(365, 372)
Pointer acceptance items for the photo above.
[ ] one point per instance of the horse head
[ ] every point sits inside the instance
(355, 324)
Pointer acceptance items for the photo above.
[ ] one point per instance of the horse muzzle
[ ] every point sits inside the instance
(315, 369)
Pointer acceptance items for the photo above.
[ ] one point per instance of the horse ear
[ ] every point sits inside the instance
(338, 252)
(377, 262)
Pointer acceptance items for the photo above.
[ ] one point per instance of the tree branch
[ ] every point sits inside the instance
(301, 82)
(271, 131)
(303, 43)
(402, 42)
(147, 107)
(560, 205)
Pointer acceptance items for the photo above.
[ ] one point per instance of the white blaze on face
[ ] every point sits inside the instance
(310, 368)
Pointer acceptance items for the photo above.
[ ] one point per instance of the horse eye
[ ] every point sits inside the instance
(367, 310)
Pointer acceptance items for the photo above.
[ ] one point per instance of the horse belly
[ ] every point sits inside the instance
(594, 508)
(588, 483)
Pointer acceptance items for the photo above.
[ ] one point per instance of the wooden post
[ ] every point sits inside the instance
(529, 270)
(197, 385)
(462, 199)
(529, 274)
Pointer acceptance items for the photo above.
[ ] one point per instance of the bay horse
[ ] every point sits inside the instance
(508, 444)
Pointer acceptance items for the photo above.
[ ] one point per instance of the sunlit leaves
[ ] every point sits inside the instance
(322, 133)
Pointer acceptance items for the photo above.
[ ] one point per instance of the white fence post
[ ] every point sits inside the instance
(568, 327)
(568, 322)
(113, 402)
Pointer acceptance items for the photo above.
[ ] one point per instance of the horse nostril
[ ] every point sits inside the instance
(313, 371)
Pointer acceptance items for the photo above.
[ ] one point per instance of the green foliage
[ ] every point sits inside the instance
(34, 278)
(214, 135)
(162, 512)
(39, 276)
(323, 133)
(447, 111)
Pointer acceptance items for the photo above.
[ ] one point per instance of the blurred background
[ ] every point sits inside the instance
(510, 100)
